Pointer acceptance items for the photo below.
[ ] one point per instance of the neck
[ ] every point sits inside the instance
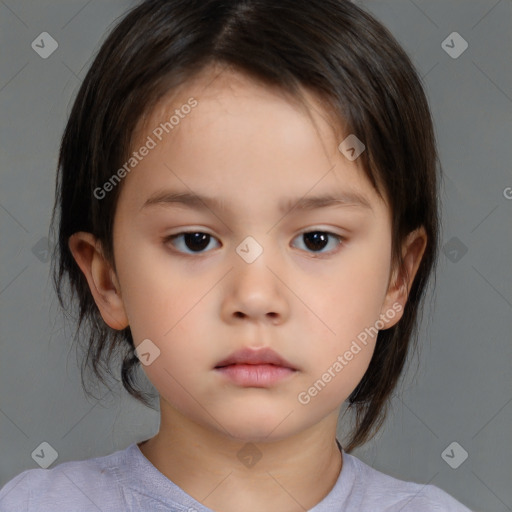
(228, 475)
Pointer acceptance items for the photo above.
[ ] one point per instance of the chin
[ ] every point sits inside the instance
(257, 427)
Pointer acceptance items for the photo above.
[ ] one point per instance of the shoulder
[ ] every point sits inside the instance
(89, 484)
(379, 491)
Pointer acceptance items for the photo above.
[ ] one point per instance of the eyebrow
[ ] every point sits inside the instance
(201, 203)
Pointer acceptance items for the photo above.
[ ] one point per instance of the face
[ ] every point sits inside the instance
(264, 264)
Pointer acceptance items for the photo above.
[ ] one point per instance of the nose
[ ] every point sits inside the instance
(255, 292)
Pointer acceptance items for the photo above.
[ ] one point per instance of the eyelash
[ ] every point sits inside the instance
(315, 254)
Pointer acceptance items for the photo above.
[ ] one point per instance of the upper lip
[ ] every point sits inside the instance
(251, 356)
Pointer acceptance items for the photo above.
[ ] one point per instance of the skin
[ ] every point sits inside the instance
(251, 147)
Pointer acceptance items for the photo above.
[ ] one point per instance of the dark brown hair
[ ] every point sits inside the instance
(332, 48)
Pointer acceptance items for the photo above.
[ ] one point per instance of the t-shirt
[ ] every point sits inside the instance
(127, 481)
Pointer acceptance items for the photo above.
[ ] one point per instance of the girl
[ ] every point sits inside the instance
(246, 209)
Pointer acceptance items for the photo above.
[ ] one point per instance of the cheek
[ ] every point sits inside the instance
(173, 310)
(154, 296)
(348, 308)
(166, 308)
(351, 299)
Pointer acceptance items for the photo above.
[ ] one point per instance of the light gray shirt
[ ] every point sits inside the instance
(127, 481)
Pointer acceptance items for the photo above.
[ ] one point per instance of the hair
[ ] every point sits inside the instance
(333, 49)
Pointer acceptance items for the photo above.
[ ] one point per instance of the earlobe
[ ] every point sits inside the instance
(401, 282)
(101, 278)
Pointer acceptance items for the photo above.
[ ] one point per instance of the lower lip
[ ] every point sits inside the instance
(255, 375)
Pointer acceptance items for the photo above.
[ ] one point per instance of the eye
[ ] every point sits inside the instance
(195, 241)
(316, 241)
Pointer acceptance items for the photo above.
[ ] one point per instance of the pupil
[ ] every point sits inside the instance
(318, 238)
(197, 241)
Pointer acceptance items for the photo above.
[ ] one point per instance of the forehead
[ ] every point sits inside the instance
(243, 136)
(226, 96)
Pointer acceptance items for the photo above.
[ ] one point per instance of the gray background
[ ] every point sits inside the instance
(458, 389)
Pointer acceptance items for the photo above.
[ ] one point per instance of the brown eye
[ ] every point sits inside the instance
(316, 241)
(190, 242)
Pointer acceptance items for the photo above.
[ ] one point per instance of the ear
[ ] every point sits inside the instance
(101, 278)
(401, 280)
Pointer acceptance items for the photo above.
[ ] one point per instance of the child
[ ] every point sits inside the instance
(292, 141)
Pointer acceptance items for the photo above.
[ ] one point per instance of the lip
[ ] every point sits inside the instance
(264, 356)
(255, 368)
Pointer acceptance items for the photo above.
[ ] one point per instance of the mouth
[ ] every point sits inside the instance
(250, 368)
